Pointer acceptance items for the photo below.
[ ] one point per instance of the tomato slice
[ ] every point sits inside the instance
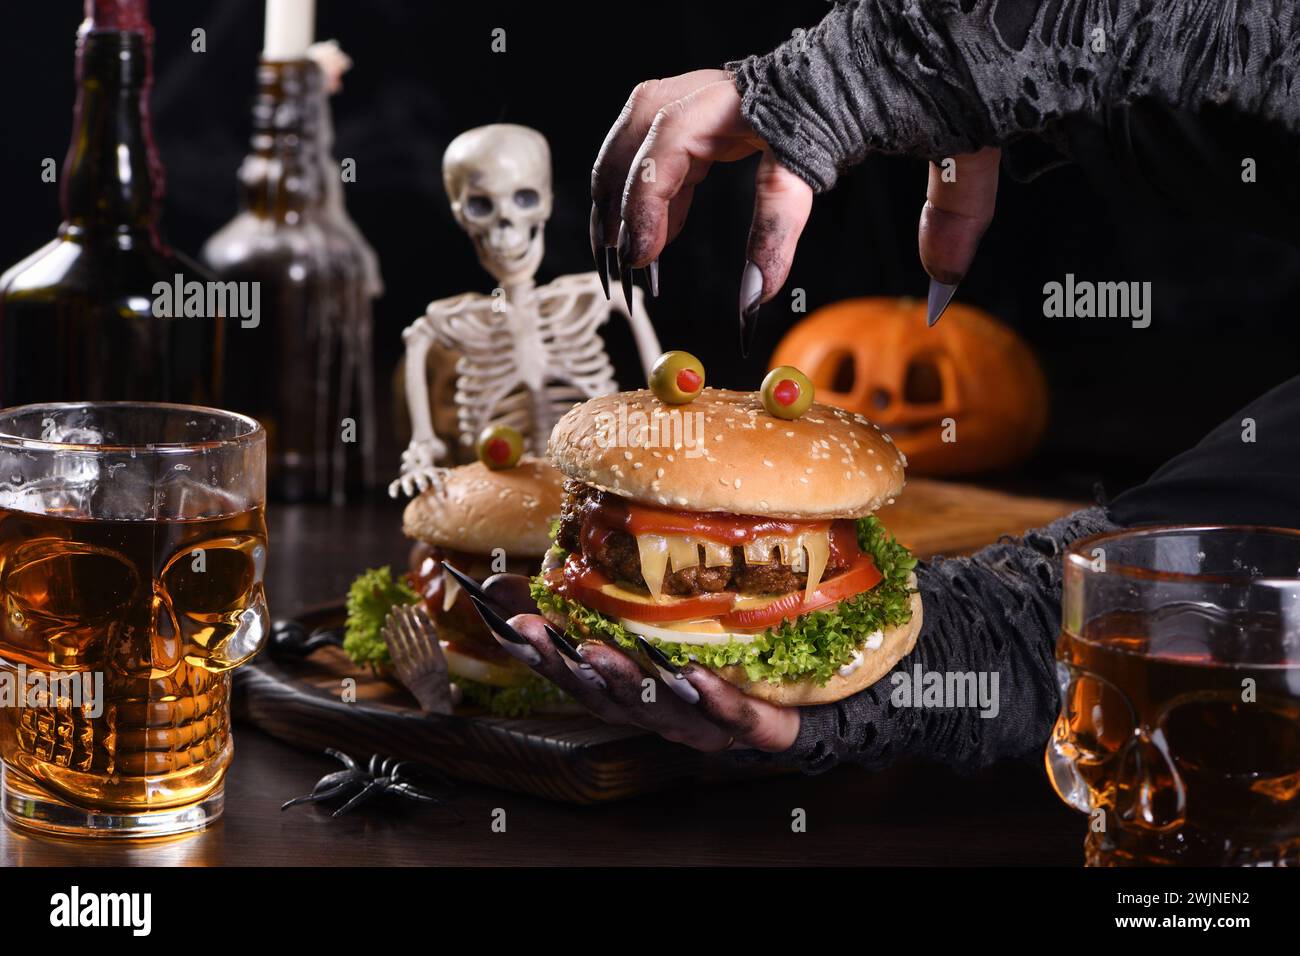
(861, 576)
(583, 584)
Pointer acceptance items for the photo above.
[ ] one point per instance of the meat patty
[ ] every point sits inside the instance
(618, 557)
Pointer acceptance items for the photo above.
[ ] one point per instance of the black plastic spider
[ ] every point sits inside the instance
(383, 775)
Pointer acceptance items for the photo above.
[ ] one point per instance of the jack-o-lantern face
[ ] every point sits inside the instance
(962, 397)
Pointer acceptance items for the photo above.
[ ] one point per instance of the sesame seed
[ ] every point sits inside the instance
(880, 468)
(768, 464)
(636, 464)
(803, 479)
(659, 473)
(789, 434)
(737, 483)
(807, 471)
(682, 501)
(627, 456)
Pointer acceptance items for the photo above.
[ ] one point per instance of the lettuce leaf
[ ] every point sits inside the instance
(811, 647)
(519, 701)
(372, 595)
(376, 592)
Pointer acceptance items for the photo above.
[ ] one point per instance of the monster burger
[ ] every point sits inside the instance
(746, 543)
(483, 521)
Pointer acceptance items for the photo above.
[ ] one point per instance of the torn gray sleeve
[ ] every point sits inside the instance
(928, 78)
(997, 612)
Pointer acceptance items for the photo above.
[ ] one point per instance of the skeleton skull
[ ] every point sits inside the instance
(498, 179)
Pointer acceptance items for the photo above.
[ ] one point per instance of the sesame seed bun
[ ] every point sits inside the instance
(477, 509)
(828, 463)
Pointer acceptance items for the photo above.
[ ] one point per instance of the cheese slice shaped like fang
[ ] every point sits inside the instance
(450, 591)
(817, 547)
(653, 549)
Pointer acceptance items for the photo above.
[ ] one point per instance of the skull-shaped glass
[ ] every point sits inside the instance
(132, 552)
(1179, 670)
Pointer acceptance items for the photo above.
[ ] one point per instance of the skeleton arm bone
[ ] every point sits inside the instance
(419, 460)
(643, 330)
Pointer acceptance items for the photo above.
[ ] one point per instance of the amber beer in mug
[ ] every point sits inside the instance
(132, 552)
(1179, 667)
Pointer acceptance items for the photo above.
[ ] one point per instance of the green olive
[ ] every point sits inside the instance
(787, 393)
(499, 446)
(677, 378)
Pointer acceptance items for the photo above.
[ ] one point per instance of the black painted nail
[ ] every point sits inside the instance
(941, 294)
(597, 230)
(669, 672)
(751, 290)
(654, 277)
(511, 641)
(469, 584)
(609, 270)
(572, 658)
(625, 263)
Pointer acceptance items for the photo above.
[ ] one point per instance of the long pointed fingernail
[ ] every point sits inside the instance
(572, 658)
(608, 270)
(625, 263)
(751, 290)
(669, 672)
(941, 294)
(464, 580)
(597, 230)
(654, 277)
(511, 641)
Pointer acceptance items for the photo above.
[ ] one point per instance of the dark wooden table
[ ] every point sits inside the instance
(907, 815)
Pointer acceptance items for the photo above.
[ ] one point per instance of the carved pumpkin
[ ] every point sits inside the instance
(962, 397)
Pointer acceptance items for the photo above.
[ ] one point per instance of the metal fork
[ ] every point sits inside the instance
(417, 657)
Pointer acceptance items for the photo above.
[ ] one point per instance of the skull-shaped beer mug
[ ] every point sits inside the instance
(1179, 667)
(132, 552)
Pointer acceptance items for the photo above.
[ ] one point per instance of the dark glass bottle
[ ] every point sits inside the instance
(306, 370)
(80, 317)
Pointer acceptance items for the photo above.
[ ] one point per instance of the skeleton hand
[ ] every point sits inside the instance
(419, 471)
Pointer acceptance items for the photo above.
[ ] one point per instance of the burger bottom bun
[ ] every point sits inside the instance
(898, 643)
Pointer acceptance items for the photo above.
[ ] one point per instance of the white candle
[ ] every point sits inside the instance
(290, 28)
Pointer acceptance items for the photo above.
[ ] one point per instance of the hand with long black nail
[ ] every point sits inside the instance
(668, 135)
(688, 705)
(661, 147)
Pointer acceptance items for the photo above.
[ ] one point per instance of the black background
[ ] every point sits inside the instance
(1123, 399)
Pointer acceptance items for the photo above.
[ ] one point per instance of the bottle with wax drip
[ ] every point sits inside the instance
(93, 314)
(305, 372)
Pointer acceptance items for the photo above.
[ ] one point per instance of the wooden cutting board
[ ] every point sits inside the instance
(942, 517)
(572, 758)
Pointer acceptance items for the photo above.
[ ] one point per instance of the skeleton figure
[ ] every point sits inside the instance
(527, 352)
